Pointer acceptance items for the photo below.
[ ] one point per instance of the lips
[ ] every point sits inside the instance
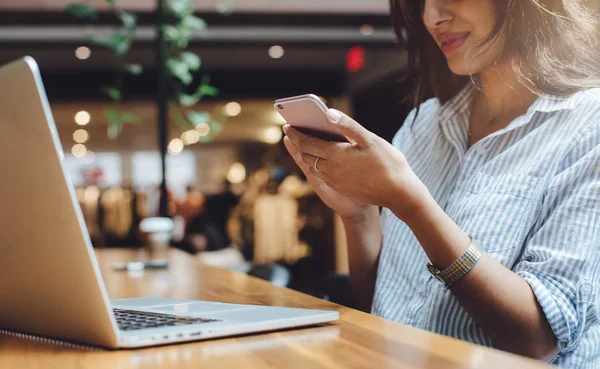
(450, 42)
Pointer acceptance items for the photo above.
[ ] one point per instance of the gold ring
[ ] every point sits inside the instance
(316, 163)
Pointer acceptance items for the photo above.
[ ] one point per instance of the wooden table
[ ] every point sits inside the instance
(358, 340)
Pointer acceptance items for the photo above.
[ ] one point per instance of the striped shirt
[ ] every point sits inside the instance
(529, 193)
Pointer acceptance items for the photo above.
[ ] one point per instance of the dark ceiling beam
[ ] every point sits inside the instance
(296, 34)
(250, 6)
(237, 19)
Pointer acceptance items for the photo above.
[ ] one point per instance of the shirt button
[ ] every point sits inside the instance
(564, 344)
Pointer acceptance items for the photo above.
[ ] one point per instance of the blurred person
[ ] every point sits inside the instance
(193, 205)
(152, 203)
(197, 234)
(494, 182)
(219, 208)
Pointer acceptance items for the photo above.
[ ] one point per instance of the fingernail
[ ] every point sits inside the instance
(285, 128)
(334, 115)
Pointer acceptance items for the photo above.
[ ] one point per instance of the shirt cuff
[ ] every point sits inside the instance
(566, 316)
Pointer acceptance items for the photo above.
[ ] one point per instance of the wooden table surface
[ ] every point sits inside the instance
(358, 340)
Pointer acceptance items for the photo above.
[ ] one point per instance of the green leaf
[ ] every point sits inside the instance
(215, 126)
(113, 93)
(117, 42)
(224, 7)
(191, 60)
(180, 36)
(179, 70)
(130, 118)
(188, 100)
(193, 23)
(221, 117)
(81, 11)
(113, 130)
(184, 38)
(198, 117)
(171, 33)
(135, 69)
(129, 20)
(208, 90)
(209, 137)
(179, 7)
(114, 124)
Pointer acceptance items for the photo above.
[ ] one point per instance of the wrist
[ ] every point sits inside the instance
(360, 217)
(414, 206)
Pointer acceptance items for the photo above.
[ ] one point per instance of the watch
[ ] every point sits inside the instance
(459, 268)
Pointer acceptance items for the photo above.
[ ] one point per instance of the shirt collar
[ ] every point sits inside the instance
(459, 106)
(454, 115)
(544, 104)
(548, 103)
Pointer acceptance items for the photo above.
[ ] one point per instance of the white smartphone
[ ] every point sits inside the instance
(308, 114)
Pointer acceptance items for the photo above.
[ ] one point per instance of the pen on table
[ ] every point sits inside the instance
(140, 265)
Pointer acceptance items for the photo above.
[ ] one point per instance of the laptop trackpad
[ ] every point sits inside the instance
(192, 308)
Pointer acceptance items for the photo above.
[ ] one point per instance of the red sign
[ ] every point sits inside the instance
(355, 59)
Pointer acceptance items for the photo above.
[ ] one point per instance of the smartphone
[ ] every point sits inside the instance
(308, 114)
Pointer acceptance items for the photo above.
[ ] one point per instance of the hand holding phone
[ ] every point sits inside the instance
(308, 114)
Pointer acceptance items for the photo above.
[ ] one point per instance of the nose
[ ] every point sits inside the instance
(436, 13)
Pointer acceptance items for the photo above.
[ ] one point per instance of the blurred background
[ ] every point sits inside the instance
(236, 196)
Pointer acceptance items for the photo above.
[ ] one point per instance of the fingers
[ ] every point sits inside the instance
(290, 146)
(308, 170)
(318, 167)
(306, 143)
(311, 177)
(349, 127)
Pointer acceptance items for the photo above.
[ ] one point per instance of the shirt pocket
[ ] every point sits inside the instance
(498, 211)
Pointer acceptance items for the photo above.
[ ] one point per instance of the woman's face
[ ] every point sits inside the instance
(457, 26)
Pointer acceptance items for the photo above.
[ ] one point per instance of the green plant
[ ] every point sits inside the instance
(180, 25)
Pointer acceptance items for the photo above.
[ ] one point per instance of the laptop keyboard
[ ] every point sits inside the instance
(129, 320)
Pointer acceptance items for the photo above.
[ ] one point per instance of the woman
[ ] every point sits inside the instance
(500, 170)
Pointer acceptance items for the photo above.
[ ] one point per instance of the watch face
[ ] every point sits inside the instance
(436, 273)
(433, 270)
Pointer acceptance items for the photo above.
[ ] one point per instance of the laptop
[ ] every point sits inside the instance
(50, 283)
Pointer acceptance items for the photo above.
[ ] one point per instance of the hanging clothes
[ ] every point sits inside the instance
(118, 212)
(276, 227)
(88, 201)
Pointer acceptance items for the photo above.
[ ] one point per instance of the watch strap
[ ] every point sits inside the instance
(460, 267)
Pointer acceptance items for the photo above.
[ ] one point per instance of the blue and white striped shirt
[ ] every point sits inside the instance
(529, 193)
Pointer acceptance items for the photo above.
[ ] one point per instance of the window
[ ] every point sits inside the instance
(181, 170)
(103, 169)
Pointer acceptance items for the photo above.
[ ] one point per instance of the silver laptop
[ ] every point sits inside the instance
(50, 283)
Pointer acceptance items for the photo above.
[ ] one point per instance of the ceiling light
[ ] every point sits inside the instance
(367, 30)
(81, 136)
(203, 129)
(276, 52)
(272, 135)
(175, 146)
(236, 173)
(83, 52)
(232, 109)
(78, 150)
(82, 118)
(190, 137)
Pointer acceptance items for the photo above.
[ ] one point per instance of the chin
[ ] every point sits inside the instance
(459, 67)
